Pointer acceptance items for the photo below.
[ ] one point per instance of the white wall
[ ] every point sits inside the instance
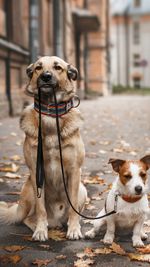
(143, 49)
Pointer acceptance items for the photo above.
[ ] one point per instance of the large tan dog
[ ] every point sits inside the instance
(52, 209)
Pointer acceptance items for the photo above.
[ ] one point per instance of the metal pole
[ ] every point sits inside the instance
(108, 47)
(127, 45)
(118, 49)
(8, 86)
(85, 5)
(34, 30)
(58, 28)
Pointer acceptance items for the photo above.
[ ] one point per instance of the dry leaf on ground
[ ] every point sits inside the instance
(16, 157)
(105, 143)
(39, 262)
(56, 235)
(9, 168)
(9, 259)
(83, 263)
(61, 257)
(103, 251)
(94, 180)
(13, 134)
(19, 143)
(89, 252)
(117, 150)
(102, 151)
(93, 142)
(139, 257)
(117, 249)
(92, 155)
(133, 153)
(108, 188)
(13, 248)
(144, 250)
(12, 175)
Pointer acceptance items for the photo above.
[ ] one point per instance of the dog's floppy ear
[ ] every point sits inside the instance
(72, 73)
(29, 71)
(116, 163)
(146, 161)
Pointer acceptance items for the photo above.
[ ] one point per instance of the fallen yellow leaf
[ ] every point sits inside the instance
(12, 175)
(87, 252)
(94, 180)
(41, 262)
(83, 263)
(144, 250)
(8, 259)
(13, 248)
(103, 251)
(117, 249)
(139, 257)
(56, 235)
(16, 158)
(61, 257)
(9, 168)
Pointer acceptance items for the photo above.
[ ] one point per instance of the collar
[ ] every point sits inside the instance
(131, 199)
(49, 108)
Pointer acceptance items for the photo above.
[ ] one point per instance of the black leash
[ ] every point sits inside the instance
(40, 174)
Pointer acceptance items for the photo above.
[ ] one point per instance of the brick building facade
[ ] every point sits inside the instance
(80, 35)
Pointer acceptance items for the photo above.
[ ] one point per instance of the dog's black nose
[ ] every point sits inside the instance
(138, 189)
(46, 76)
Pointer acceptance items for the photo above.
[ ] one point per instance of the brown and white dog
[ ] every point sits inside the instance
(131, 185)
(52, 209)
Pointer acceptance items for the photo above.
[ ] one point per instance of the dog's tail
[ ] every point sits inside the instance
(11, 214)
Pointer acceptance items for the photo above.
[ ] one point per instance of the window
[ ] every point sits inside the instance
(137, 3)
(136, 32)
(3, 26)
(136, 60)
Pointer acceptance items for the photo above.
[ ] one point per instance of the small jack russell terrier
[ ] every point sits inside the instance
(131, 186)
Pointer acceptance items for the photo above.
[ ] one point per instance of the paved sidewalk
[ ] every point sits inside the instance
(117, 126)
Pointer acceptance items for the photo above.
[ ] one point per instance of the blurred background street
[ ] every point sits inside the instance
(108, 42)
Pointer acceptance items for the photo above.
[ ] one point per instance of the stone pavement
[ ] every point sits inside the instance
(117, 126)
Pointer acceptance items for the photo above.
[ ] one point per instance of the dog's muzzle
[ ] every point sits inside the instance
(47, 82)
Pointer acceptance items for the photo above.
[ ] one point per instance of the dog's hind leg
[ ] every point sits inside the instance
(82, 197)
(97, 224)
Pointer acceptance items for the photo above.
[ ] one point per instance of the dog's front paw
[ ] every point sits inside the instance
(137, 243)
(90, 233)
(41, 233)
(108, 239)
(74, 232)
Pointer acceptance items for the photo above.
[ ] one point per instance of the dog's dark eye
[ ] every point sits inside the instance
(38, 67)
(143, 174)
(128, 176)
(58, 67)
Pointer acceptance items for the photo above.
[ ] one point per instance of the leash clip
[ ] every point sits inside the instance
(68, 106)
(76, 98)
